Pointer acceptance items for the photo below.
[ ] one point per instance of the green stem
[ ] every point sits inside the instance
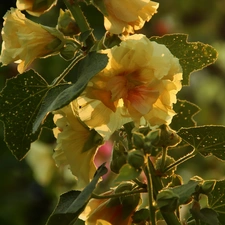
(164, 154)
(152, 219)
(170, 218)
(79, 17)
(67, 70)
(118, 194)
(181, 160)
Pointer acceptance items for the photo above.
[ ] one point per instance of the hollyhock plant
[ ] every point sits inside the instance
(140, 82)
(128, 15)
(25, 40)
(35, 7)
(72, 136)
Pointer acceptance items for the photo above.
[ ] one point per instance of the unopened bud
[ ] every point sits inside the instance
(168, 137)
(69, 50)
(119, 158)
(138, 140)
(66, 23)
(136, 158)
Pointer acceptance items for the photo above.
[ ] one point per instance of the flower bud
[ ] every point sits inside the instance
(136, 158)
(119, 158)
(168, 137)
(138, 140)
(69, 50)
(163, 137)
(153, 137)
(66, 23)
(167, 200)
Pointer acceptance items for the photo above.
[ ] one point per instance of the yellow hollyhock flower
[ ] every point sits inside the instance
(128, 15)
(140, 82)
(24, 40)
(72, 136)
(35, 7)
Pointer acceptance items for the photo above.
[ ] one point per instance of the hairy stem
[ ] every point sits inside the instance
(170, 218)
(152, 218)
(181, 160)
(119, 194)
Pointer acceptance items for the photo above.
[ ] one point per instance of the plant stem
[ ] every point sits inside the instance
(67, 70)
(181, 160)
(152, 218)
(118, 194)
(79, 17)
(170, 218)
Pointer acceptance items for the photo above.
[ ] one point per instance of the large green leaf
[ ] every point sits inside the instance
(193, 56)
(185, 111)
(207, 140)
(217, 200)
(85, 69)
(72, 203)
(20, 101)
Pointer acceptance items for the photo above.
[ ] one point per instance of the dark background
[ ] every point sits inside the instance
(29, 189)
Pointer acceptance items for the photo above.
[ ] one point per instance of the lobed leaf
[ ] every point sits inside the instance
(207, 140)
(192, 56)
(20, 101)
(216, 200)
(185, 111)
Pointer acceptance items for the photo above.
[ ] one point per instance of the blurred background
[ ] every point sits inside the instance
(29, 189)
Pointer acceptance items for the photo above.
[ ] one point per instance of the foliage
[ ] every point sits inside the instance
(87, 97)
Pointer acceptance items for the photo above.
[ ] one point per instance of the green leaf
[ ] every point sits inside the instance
(185, 112)
(20, 101)
(50, 96)
(72, 204)
(85, 69)
(216, 200)
(193, 56)
(127, 172)
(183, 192)
(207, 140)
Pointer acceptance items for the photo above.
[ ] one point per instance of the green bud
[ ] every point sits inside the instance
(136, 158)
(153, 137)
(163, 137)
(138, 140)
(69, 50)
(66, 23)
(168, 137)
(167, 200)
(207, 186)
(119, 158)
